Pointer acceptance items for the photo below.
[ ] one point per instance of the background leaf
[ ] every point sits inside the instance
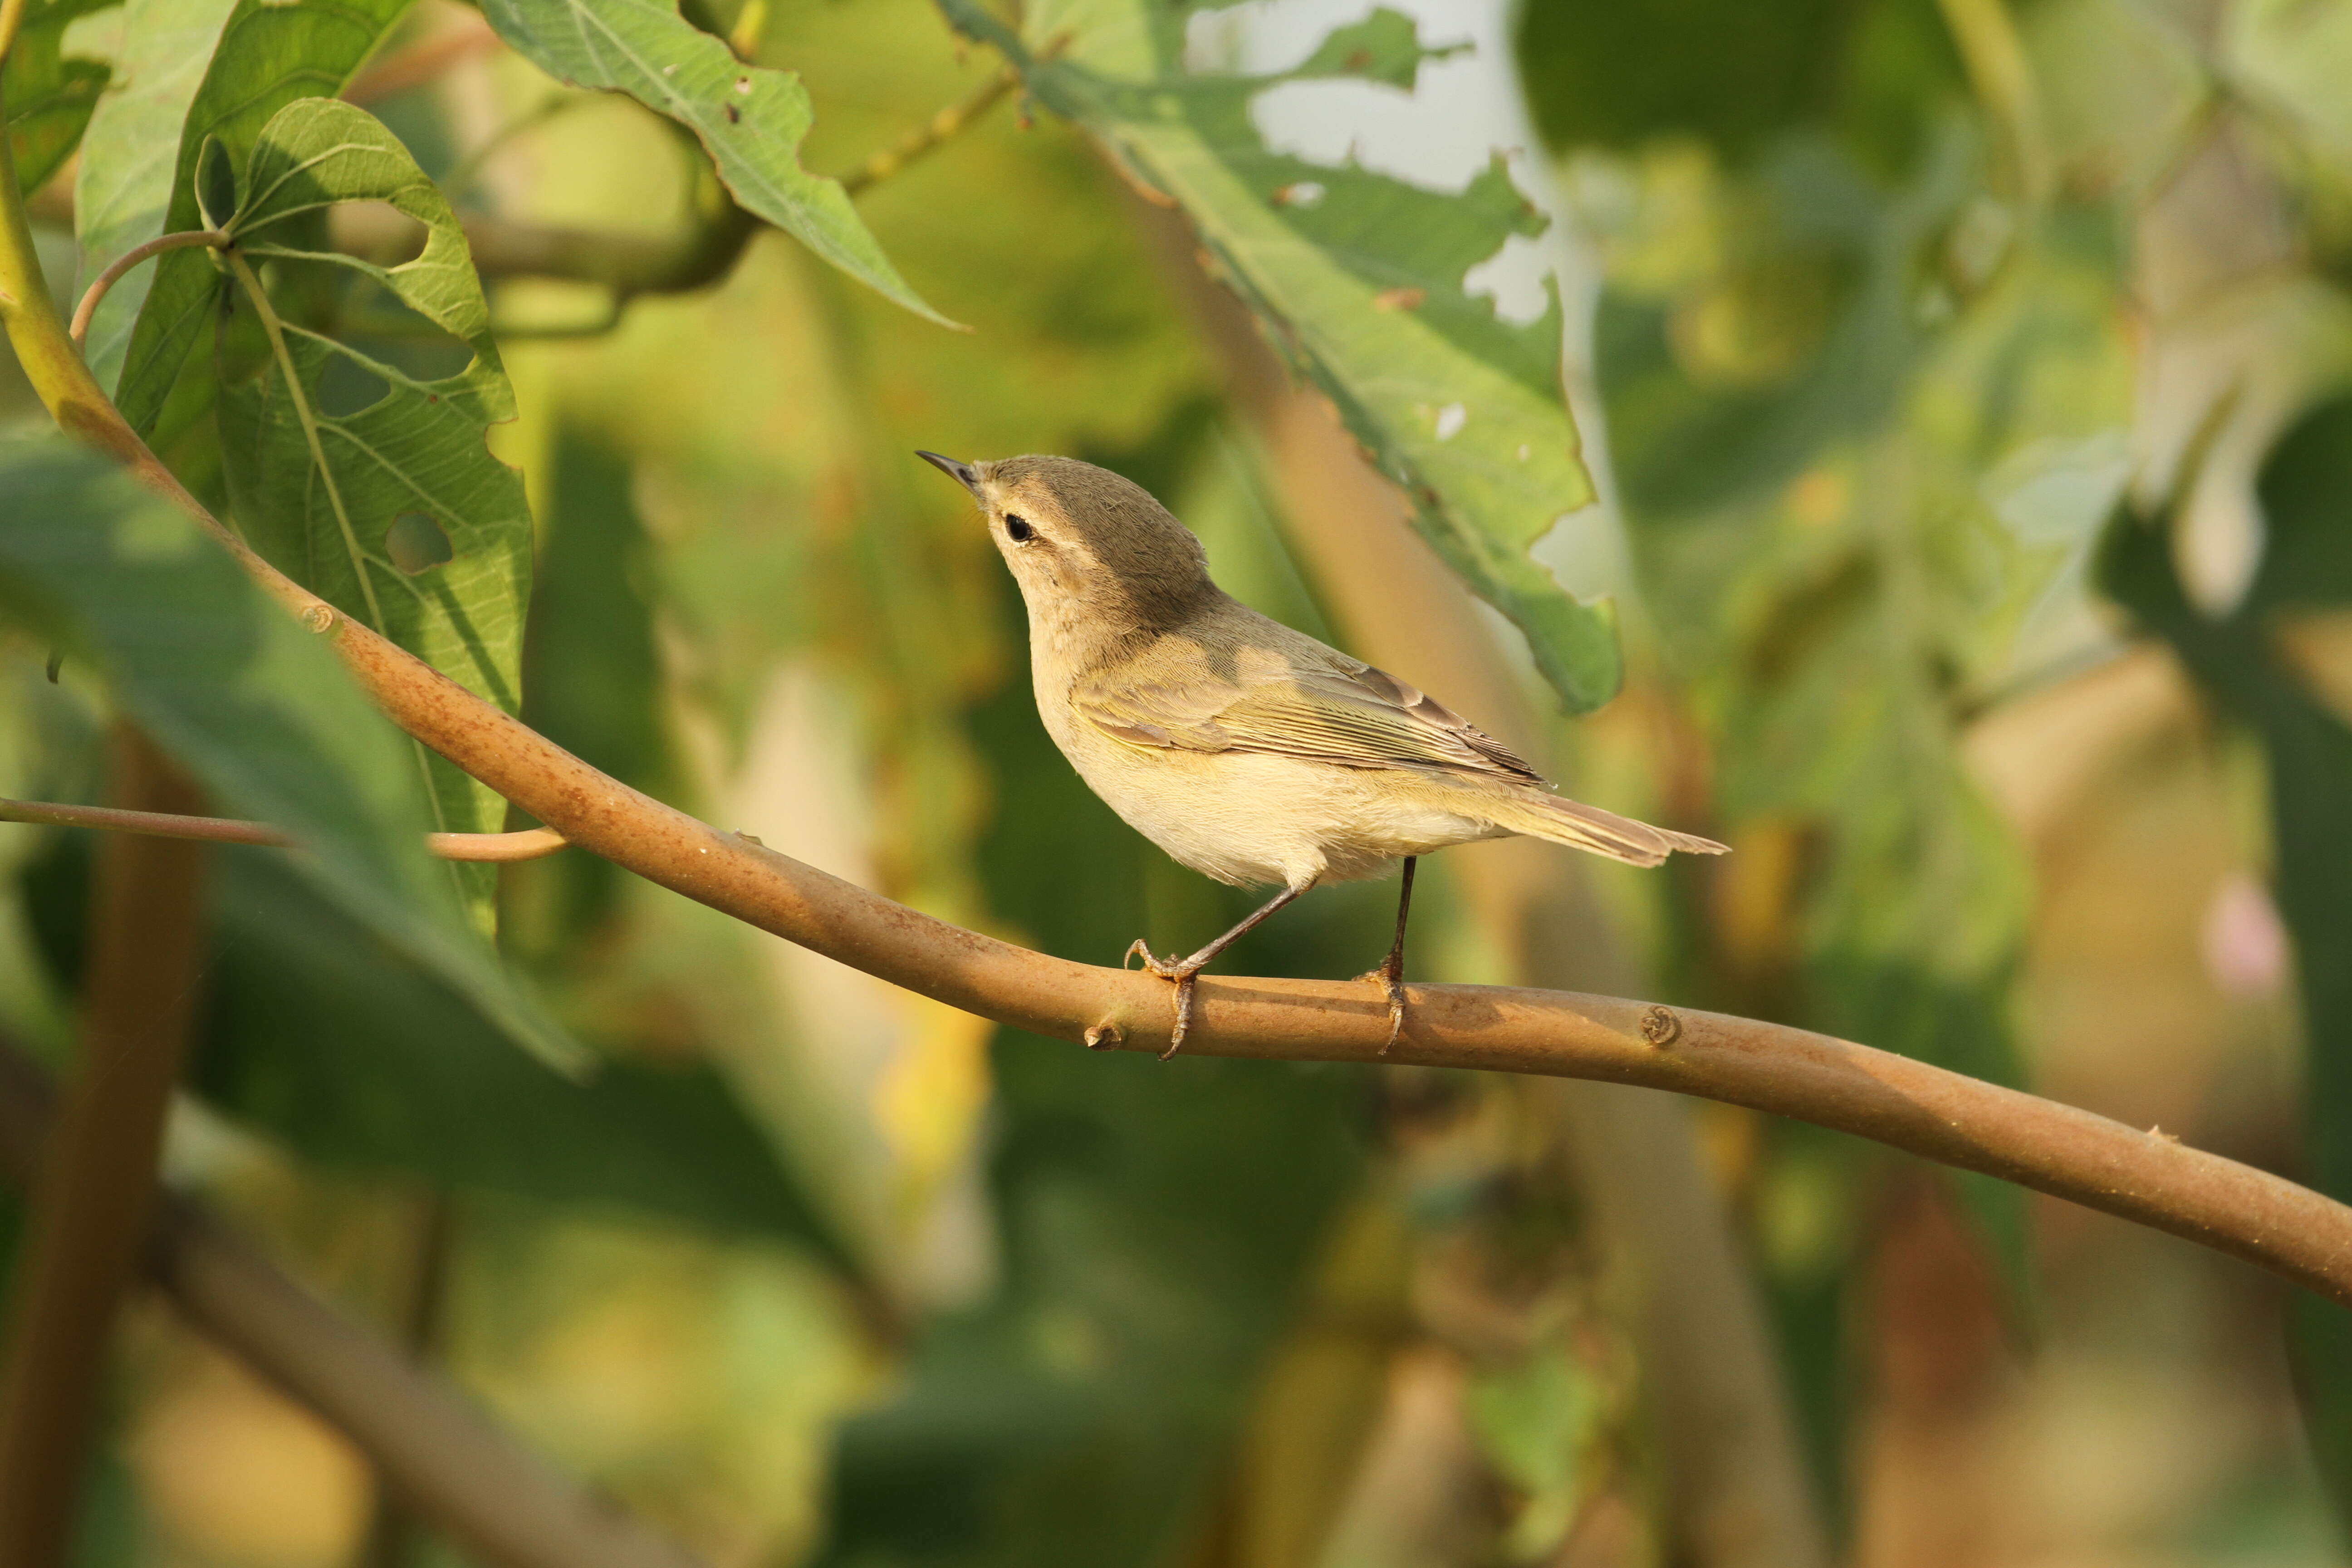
(749, 118)
(50, 95)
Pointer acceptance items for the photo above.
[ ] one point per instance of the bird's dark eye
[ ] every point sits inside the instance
(1018, 529)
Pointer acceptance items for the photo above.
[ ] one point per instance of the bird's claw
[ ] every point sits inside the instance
(1183, 975)
(1392, 986)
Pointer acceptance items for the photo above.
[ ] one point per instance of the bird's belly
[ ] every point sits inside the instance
(1249, 818)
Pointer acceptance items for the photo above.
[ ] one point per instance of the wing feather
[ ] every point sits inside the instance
(1333, 709)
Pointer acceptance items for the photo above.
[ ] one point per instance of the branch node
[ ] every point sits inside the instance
(1104, 1036)
(1660, 1026)
(319, 617)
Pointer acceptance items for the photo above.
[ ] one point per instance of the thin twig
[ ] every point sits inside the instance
(527, 844)
(430, 1446)
(88, 309)
(928, 137)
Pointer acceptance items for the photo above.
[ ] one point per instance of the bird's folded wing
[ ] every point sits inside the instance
(1351, 715)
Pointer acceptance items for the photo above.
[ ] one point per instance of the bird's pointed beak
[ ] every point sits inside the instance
(960, 472)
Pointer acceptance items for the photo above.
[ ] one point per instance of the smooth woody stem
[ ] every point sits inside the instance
(94, 1197)
(83, 314)
(528, 843)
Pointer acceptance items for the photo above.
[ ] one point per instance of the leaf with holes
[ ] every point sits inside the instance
(1358, 279)
(49, 93)
(270, 55)
(369, 481)
(750, 121)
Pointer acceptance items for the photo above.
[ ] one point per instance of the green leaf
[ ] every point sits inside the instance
(270, 54)
(1740, 75)
(750, 120)
(125, 184)
(257, 710)
(353, 1056)
(394, 511)
(1358, 279)
(50, 95)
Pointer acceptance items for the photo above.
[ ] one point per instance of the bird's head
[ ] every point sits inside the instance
(1088, 548)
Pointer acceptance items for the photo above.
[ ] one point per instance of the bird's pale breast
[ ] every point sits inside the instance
(1257, 819)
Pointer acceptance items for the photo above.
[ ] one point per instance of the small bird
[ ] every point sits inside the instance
(1249, 752)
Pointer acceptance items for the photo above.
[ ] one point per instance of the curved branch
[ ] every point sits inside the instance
(529, 844)
(1943, 1116)
(2148, 1177)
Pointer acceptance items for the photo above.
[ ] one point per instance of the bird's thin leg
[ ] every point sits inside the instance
(1390, 976)
(1183, 972)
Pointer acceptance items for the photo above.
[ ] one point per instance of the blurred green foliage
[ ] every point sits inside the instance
(1878, 305)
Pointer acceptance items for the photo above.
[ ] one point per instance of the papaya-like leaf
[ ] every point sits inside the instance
(258, 710)
(1358, 279)
(371, 486)
(750, 120)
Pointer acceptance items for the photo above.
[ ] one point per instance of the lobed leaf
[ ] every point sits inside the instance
(750, 121)
(1358, 281)
(397, 512)
(257, 710)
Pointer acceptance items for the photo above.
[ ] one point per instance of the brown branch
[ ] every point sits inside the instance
(1942, 1116)
(528, 843)
(441, 1458)
(1907, 1104)
(94, 1198)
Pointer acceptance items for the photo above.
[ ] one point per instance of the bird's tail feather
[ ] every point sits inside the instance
(1582, 827)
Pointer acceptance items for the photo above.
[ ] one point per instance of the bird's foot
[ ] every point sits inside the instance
(1183, 973)
(1392, 984)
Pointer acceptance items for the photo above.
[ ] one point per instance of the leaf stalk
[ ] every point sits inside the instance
(527, 844)
(96, 293)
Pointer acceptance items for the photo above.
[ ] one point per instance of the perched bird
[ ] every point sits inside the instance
(1247, 750)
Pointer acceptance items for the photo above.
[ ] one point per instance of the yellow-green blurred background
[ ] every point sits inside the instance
(1877, 311)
